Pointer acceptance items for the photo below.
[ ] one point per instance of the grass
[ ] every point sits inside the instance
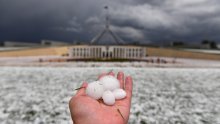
(177, 53)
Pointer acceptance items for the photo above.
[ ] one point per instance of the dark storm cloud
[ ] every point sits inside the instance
(133, 20)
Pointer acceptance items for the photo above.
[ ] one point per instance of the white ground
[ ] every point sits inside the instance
(160, 96)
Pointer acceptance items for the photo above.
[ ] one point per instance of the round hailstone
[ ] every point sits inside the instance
(108, 98)
(119, 93)
(95, 90)
(109, 83)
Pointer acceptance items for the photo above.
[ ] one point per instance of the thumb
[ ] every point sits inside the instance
(82, 91)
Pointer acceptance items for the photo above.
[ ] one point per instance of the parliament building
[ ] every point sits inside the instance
(117, 51)
(107, 52)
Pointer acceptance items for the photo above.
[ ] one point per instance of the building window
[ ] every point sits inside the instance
(110, 54)
(114, 52)
(129, 52)
(84, 52)
(103, 54)
(87, 51)
(126, 52)
(79, 52)
(73, 52)
(100, 50)
(137, 53)
(97, 52)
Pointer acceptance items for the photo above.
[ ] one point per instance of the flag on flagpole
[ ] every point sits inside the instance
(106, 7)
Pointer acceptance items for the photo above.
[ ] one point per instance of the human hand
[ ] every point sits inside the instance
(85, 110)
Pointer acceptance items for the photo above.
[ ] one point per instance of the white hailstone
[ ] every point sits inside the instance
(108, 98)
(95, 90)
(109, 83)
(119, 93)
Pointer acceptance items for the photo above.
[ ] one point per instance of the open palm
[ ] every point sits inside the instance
(85, 110)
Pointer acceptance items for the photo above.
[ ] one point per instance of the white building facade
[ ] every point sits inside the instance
(107, 52)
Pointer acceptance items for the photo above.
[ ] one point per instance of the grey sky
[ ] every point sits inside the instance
(132, 20)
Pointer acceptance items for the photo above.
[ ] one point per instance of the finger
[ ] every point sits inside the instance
(128, 87)
(82, 91)
(100, 76)
(120, 77)
(111, 73)
(104, 74)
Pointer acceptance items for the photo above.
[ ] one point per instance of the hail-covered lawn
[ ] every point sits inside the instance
(160, 96)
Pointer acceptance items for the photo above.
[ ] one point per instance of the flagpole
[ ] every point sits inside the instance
(107, 17)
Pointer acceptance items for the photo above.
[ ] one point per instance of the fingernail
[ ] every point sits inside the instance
(84, 84)
(129, 78)
(120, 74)
(111, 73)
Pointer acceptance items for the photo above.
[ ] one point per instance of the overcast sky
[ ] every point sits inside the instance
(133, 20)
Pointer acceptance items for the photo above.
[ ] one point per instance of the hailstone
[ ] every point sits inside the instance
(119, 93)
(110, 83)
(107, 88)
(95, 90)
(108, 98)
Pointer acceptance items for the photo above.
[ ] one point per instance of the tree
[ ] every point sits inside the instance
(211, 44)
